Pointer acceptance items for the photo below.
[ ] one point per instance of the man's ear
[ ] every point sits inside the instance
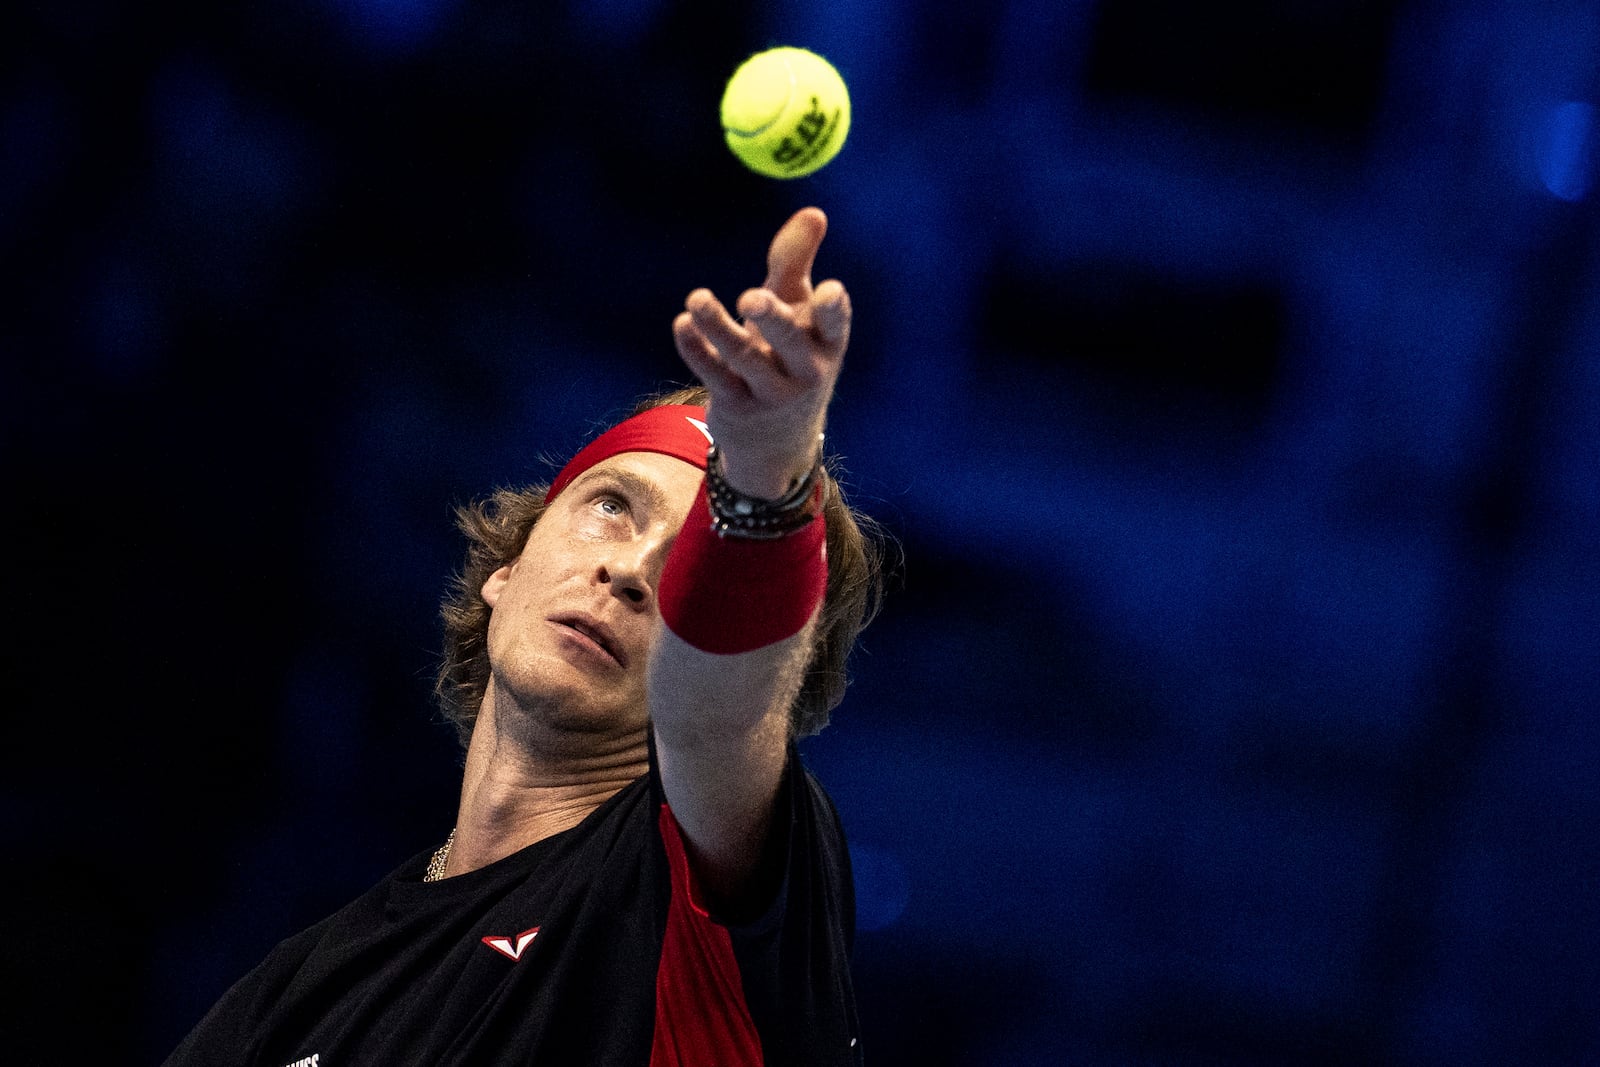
(493, 584)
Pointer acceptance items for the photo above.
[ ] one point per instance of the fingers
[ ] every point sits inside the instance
(714, 321)
(831, 314)
(740, 351)
(792, 252)
(701, 358)
(785, 330)
(821, 326)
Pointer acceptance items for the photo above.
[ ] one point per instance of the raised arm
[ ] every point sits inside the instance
(722, 718)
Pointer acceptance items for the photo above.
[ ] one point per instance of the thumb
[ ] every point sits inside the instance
(792, 252)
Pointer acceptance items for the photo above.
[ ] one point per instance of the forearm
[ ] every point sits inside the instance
(702, 700)
(737, 621)
(737, 615)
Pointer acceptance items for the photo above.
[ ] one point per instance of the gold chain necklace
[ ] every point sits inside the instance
(435, 869)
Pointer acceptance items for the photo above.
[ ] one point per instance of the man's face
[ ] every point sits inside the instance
(573, 617)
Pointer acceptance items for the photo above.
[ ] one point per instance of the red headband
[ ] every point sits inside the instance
(677, 430)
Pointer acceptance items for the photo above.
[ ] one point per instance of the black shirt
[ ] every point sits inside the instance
(588, 948)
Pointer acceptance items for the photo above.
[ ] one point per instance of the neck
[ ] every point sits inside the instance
(518, 790)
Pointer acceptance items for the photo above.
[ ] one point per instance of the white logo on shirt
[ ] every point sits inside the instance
(305, 1061)
(510, 947)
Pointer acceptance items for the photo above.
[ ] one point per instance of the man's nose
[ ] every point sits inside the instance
(629, 572)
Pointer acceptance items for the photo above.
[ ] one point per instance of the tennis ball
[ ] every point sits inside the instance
(785, 112)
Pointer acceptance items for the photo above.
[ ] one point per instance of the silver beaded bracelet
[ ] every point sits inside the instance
(733, 514)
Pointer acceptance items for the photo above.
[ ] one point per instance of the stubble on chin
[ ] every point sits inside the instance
(564, 719)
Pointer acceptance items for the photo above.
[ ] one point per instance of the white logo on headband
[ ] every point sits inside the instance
(702, 428)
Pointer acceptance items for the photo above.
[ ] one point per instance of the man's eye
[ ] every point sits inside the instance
(613, 506)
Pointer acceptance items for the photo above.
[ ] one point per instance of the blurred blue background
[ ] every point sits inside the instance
(1230, 375)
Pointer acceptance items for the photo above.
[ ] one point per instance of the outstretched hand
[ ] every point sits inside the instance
(770, 374)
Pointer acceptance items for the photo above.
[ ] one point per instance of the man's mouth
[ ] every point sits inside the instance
(596, 631)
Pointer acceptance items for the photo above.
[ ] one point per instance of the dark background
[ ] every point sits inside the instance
(1229, 373)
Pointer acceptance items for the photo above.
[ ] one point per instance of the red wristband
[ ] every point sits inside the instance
(728, 594)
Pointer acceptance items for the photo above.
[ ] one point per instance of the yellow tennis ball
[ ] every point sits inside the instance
(785, 112)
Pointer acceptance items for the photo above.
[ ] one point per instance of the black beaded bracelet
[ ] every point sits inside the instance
(735, 515)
